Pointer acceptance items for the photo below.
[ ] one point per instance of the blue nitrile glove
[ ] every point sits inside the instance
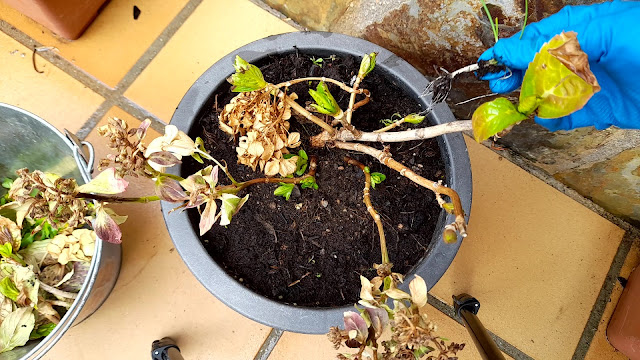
(609, 35)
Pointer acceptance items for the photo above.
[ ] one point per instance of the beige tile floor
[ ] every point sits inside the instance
(536, 259)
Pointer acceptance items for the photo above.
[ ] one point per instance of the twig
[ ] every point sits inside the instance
(298, 281)
(390, 126)
(396, 136)
(475, 98)
(60, 303)
(385, 158)
(367, 201)
(115, 199)
(57, 292)
(342, 85)
(235, 188)
(352, 99)
(302, 111)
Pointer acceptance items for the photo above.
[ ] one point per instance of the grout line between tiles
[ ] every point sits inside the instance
(156, 46)
(503, 345)
(603, 297)
(269, 344)
(94, 119)
(116, 96)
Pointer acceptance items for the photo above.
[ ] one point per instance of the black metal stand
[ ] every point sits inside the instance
(467, 307)
(165, 349)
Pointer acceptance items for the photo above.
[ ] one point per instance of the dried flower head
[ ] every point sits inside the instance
(77, 246)
(261, 121)
(127, 143)
(43, 195)
(10, 233)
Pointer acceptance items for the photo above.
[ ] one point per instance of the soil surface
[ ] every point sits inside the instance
(311, 250)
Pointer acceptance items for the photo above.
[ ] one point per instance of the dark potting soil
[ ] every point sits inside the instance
(311, 250)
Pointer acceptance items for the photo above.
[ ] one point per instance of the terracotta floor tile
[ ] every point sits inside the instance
(199, 43)
(156, 296)
(600, 348)
(535, 258)
(113, 42)
(53, 95)
(318, 347)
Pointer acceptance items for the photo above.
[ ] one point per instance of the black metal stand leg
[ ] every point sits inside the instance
(467, 307)
(165, 349)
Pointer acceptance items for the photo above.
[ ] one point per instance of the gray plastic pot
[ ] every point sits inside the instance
(28, 141)
(199, 99)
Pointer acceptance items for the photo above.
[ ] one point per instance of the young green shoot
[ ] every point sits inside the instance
(526, 16)
(494, 27)
(377, 178)
(284, 190)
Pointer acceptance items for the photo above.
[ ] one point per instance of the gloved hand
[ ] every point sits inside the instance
(609, 35)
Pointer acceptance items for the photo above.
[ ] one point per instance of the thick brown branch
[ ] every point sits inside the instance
(313, 164)
(385, 158)
(367, 201)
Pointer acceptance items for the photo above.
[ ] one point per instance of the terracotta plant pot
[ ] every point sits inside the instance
(67, 18)
(198, 100)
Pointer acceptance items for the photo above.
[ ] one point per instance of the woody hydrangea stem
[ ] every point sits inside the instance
(235, 188)
(386, 159)
(367, 201)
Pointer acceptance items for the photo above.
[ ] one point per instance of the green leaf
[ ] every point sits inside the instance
(197, 157)
(317, 61)
(231, 204)
(16, 328)
(377, 178)
(423, 350)
(325, 102)
(387, 283)
(367, 170)
(288, 156)
(387, 122)
(284, 190)
(301, 164)
(6, 250)
(7, 182)
(9, 289)
(367, 64)
(493, 117)
(414, 119)
(309, 183)
(247, 77)
(558, 81)
(42, 331)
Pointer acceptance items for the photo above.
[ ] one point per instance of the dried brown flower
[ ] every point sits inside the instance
(127, 143)
(45, 195)
(261, 121)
